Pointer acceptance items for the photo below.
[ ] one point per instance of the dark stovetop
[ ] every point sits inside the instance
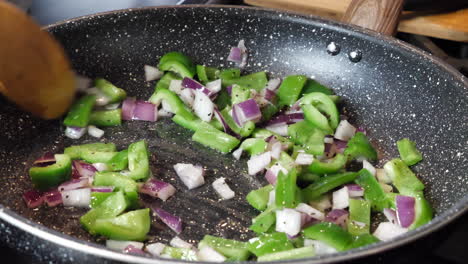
(445, 246)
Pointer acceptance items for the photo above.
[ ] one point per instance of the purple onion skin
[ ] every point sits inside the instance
(33, 198)
(405, 210)
(46, 160)
(172, 221)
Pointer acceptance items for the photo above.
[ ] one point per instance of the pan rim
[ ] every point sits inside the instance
(92, 248)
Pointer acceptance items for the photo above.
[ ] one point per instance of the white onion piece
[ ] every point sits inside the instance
(276, 149)
(288, 221)
(382, 176)
(101, 98)
(152, 73)
(166, 106)
(119, 245)
(271, 197)
(209, 254)
(179, 243)
(258, 162)
(75, 132)
(187, 96)
(203, 106)
(355, 190)
(82, 83)
(112, 106)
(191, 176)
(237, 153)
(164, 113)
(387, 188)
(341, 198)
(320, 247)
(273, 84)
(95, 132)
(281, 130)
(214, 86)
(77, 198)
(328, 140)
(176, 86)
(223, 189)
(322, 204)
(345, 131)
(100, 166)
(304, 159)
(387, 231)
(309, 210)
(155, 249)
(366, 165)
(391, 215)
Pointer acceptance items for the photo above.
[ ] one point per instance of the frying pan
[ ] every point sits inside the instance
(394, 91)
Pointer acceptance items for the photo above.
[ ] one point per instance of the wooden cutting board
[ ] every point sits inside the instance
(451, 26)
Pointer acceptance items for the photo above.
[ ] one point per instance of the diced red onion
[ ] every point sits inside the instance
(176, 86)
(172, 221)
(288, 221)
(104, 189)
(164, 113)
(130, 249)
(100, 166)
(387, 231)
(337, 216)
(85, 170)
(320, 247)
(328, 140)
(391, 215)
(296, 107)
(340, 145)
(245, 111)
(237, 153)
(368, 166)
(345, 131)
(77, 198)
(208, 254)
(53, 198)
(270, 96)
(405, 210)
(241, 46)
(33, 198)
(259, 97)
(82, 83)
(203, 106)
(272, 173)
(273, 84)
(177, 242)
(95, 132)
(155, 249)
(307, 220)
(258, 163)
(73, 184)
(309, 210)
(276, 149)
(120, 245)
(229, 89)
(362, 130)
(235, 55)
(192, 84)
(75, 132)
(145, 111)
(223, 122)
(341, 198)
(112, 106)
(47, 159)
(286, 119)
(152, 73)
(128, 106)
(158, 189)
(354, 190)
(192, 176)
(281, 130)
(304, 159)
(187, 96)
(223, 189)
(214, 86)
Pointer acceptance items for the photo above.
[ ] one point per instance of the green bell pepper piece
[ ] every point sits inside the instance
(211, 137)
(258, 199)
(121, 183)
(80, 112)
(105, 118)
(262, 222)
(320, 111)
(329, 233)
(327, 183)
(423, 211)
(229, 74)
(239, 94)
(309, 137)
(234, 250)
(206, 74)
(286, 161)
(179, 253)
(296, 253)
(256, 81)
(335, 98)
(138, 160)
(359, 147)
(119, 161)
(290, 89)
(373, 192)
(112, 92)
(268, 111)
(110, 207)
(264, 133)
(97, 157)
(44, 178)
(98, 198)
(177, 63)
(306, 176)
(269, 243)
(166, 80)
(244, 131)
(285, 189)
(76, 151)
(359, 213)
(312, 86)
(408, 151)
(403, 178)
(174, 102)
(192, 124)
(133, 225)
(254, 146)
(332, 166)
(363, 240)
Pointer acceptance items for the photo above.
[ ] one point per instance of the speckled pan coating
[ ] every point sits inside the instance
(395, 91)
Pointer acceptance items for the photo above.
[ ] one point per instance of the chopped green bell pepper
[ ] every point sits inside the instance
(112, 92)
(177, 63)
(403, 178)
(98, 198)
(92, 153)
(80, 112)
(329, 233)
(359, 217)
(363, 240)
(207, 74)
(269, 243)
(254, 146)
(244, 131)
(327, 183)
(332, 166)
(211, 137)
(285, 189)
(133, 225)
(179, 253)
(423, 211)
(44, 178)
(408, 151)
(119, 161)
(320, 111)
(166, 80)
(256, 81)
(290, 89)
(234, 250)
(239, 94)
(268, 111)
(229, 74)
(373, 192)
(296, 253)
(312, 86)
(309, 137)
(138, 160)
(174, 102)
(258, 199)
(359, 147)
(262, 222)
(121, 183)
(106, 118)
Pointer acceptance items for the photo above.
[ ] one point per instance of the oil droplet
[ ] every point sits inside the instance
(355, 55)
(333, 48)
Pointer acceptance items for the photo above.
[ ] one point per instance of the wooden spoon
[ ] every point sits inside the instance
(35, 73)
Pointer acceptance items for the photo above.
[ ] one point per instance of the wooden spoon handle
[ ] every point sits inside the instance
(379, 15)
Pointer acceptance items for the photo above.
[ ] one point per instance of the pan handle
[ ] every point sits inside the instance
(379, 15)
